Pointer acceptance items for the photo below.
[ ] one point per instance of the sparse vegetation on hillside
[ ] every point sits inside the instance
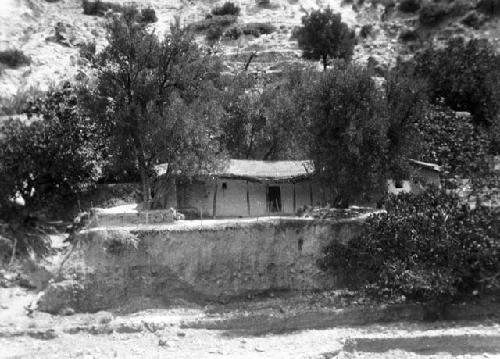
(323, 35)
(213, 22)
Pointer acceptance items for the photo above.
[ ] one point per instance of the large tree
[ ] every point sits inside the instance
(323, 35)
(264, 119)
(349, 132)
(50, 159)
(157, 98)
(406, 101)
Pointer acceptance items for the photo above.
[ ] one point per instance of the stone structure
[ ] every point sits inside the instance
(212, 261)
(250, 188)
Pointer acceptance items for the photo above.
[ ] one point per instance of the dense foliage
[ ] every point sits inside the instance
(466, 75)
(266, 121)
(323, 35)
(159, 100)
(349, 131)
(52, 159)
(450, 139)
(426, 247)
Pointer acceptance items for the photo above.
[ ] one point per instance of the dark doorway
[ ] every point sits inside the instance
(274, 197)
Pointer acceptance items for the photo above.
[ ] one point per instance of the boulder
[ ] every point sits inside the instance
(59, 296)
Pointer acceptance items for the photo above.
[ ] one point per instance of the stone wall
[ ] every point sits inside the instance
(205, 263)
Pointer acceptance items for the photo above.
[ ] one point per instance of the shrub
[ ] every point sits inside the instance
(228, 8)
(14, 58)
(99, 8)
(409, 6)
(258, 28)
(473, 19)
(409, 35)
(215, 21)
(427, 247)
(432, 13)
(366, 30)
(233, 33)
(148, 15)
(489, 7)
(214, 33)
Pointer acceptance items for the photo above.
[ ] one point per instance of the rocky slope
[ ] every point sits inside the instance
(50, 33)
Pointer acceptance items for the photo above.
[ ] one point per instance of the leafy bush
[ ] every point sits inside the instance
(229, 8)
(258, 28)
(490, 7)
(427, 247)
(233, 33)
(450, 139)
(214, 33)
(99, 7)
(409, 6)
(432, 13)
(366, 30)
(409, 35)
(14, 58)
(215, 21)
(148, 15)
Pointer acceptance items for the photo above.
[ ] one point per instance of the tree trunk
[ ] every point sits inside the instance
(325, 62)
(143, 171)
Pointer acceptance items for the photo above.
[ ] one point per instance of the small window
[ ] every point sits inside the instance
(398, 184)
(224, 185)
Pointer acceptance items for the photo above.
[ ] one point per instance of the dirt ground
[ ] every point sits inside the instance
(241, 329)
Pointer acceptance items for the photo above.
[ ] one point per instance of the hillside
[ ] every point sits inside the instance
(30, 26)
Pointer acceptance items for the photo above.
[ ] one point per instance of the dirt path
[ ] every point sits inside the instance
(179, 332)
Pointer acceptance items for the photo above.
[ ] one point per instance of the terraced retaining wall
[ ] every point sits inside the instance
(206, 262)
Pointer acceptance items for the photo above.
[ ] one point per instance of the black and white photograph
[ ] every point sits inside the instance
(250, 179)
